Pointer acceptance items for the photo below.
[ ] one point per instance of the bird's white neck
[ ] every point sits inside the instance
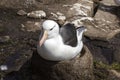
(52, 35)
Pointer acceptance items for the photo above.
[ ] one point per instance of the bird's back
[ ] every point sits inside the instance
(68, 33)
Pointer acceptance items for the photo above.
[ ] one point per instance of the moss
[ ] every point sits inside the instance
(101, 69)
(1, 29)
(115, 66)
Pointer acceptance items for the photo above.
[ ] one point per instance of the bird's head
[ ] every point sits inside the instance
(50, 30)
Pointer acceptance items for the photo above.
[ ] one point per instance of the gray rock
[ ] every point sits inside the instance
(102, 51)
(55, 1)
(113, 75)
(81, 8)
(102, 27)
(60, 17)
(37, 14)
(21, 12)
(102, 31)
(80, 21)
(78, 68)
(117, 2)
(108, 2)
(4, 39)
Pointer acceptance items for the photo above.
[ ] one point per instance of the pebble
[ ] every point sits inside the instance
(37, 14)
(4, 39)
(3, 67)
(21, 12)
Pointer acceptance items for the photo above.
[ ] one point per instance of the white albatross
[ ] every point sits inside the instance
(58, 44)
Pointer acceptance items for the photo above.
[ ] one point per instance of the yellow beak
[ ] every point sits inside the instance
(44, 37)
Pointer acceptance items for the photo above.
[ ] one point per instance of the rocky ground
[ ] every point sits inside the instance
(20, 29)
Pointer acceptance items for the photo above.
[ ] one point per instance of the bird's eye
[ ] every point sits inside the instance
(51, 29)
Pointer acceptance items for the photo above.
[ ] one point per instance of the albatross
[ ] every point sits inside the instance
(59, 43)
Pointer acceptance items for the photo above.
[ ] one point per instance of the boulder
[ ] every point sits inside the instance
(81, 8)
(103, 27)
(113, 75)
(79, 68)
(101, 32)
(108, 2)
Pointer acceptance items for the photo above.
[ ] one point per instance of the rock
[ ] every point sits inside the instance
(37, 14)
(78, 68)
(3, 68)
(102, 51)
(56, 1)
(117, 2)
(60, 17)
(21, 12)
(113, 75)
(95, 6)
(79, 21)
(102, 27)
(108, 2)
(105, 51)
(31, 26)
(4, 39)
(14, 60)
(102, 31)
(82, 8)
(97, 1)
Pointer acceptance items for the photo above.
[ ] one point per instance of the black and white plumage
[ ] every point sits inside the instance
(60, 43)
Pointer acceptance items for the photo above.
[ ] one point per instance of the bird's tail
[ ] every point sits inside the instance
(80, 31)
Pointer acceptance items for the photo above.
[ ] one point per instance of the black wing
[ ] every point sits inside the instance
(68, 33)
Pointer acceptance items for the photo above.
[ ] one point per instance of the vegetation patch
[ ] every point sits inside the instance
(101, 70)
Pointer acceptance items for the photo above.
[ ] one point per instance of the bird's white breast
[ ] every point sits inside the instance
(55, 49)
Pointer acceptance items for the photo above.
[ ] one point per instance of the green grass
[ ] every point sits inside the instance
(115, 66)
(101, 70)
